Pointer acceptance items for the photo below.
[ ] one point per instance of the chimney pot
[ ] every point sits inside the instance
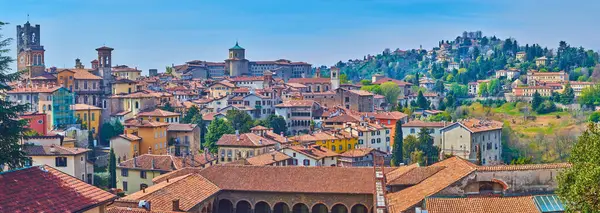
(176, 205)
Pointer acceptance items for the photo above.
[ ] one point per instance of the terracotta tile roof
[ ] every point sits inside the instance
(259, 127)
(419, 123)
(85, 107)
(344, 118)
(17, 90)
(157, 113)
(395, 115)
(360, 152)
(475, 125)
(246, 78)
(119, 209)
(296, 85)
(138, 94)
(399, 171)
(310, 80)
(267, 158)
(276, 137)
(84, 74)
(38, 150)
(225, 83)
(294, 179)
(314, 151)
(211, 116)
(49, 190)
(190, 189)
(296, 103)
(181, 127)
(361, 92)
(455, 169)
(144, 123)
(176, 173)
(415, 175)
(44, 76)
(522, 204)
(433, 111)
(245, 140)
(524, 167)
(164, 162)
(123, 81)
(386, 79)
(130, 137)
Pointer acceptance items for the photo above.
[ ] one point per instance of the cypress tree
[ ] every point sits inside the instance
(398, 143)
(112, 169)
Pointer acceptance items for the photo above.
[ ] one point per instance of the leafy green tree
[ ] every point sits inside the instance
(397, 151)
(410, 143)
(578, 185)
(439, 86)
(522, 161)
(590, 96)
(278, 124)
(568, 95)
(190, 114)
(344, 79)
(425, 141)
(169, 70)
(595, 117)
(12, 127)
(168, 107)
(216, 129)
(483, 89)
(536, 100)
(112, 169)
(239, 120)
(422, 101)
(365, 82)
(417, 156)
(555, 96)
(546, 107)
(390, 91)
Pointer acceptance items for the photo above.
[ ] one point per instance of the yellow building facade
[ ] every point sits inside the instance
(338, 142)
(159, 115)
(124, 86)
(153, 135)
(90, 115)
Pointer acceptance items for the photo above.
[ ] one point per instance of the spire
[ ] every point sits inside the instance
(27, 17)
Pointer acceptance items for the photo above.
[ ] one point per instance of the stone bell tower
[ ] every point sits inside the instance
(30, 52)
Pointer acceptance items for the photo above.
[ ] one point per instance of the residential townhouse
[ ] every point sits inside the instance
(473, 137)
(233, 147)
(311, 155)
(71, 161)
(413, 128)
(298, 114)
(159, 115)
(183, 139)
(90, 115)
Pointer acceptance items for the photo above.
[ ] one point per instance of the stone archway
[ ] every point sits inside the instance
(339, 208)
(281, 208)
(243, 206)
(300, 208)
(225, 206)
(319, 208)
(262, 207)
(359, 208)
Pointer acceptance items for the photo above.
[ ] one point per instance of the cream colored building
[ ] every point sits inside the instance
(137, 173)
(464, 138)
(233, 147)
(72, 161)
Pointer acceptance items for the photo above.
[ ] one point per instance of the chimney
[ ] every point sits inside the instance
(286, 140)
(260, 141)
(149, 150)
(52, 149)
(134, 161)
(176, 205)
(281, 134)
(273, 156)
(153, 165)
(192, 159)
(237, 135)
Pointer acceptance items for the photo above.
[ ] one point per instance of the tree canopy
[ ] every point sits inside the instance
(390, 91)
(11, 127)
(217, 128)
(578, 185)
(397, 152)
(239, 120)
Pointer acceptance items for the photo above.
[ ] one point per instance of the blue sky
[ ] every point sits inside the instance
(153, 34)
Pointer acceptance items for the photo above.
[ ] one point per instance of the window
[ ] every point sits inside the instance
(332, 148)
(124, 172)
(412, 130)
(387, 139)
(389, 122)
(85, 117)
(341, 147)
(143, 174)
(93, 116)
(372, 141)
(372, 133)
(124, 185)
(378, 140)
(387, 131)
(306, 162)
(349, 146)
(61, 161)
(378, 132)
(85, 86)
(294, 154)
(360, 141)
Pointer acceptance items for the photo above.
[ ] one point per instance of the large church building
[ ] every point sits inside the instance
(237, 65)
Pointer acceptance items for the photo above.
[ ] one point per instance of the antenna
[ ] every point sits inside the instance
(27, 17)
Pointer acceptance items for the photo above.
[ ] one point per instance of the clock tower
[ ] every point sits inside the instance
(30, 53)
